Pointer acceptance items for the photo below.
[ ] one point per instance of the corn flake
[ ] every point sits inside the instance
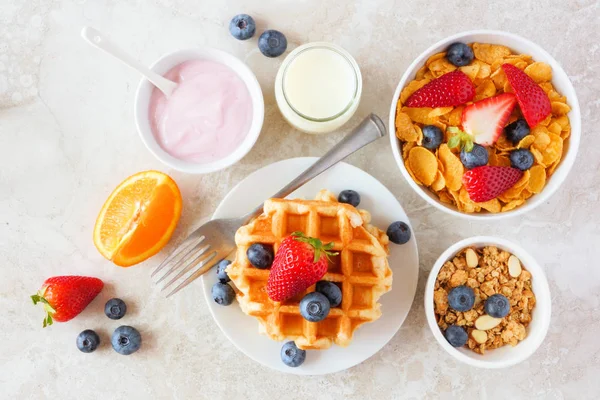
(453, 168)
(537, 180)
(489, 53)
(539, 72)
(423, 165)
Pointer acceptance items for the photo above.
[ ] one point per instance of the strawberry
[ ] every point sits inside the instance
(534, 102)
(451, 89)
(64, 297)
(486, 183)
(485, 119)
(300, 262)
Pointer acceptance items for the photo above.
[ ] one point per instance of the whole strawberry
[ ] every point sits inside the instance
(451, 89)
(300, 262)
(486, 182)
(64, 297)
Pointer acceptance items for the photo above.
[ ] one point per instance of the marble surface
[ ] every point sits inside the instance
(67, 137)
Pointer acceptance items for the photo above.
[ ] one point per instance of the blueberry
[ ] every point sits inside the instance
(126, 340)
(88, 341)
(272, 43)
(115, 308)
(221, 273)
(477, 157)
(291, 355)
(497, 306)
(242, 27)
(398, 232)
(222, 294)
(461, 298)
(456, 335)
(459, 54)
(432, 137)
(331, 291)
(349, 197)
(521, 159)
(517, 130)
(314, 307)
(260, 255)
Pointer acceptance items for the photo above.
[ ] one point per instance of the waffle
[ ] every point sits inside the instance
(360, 269)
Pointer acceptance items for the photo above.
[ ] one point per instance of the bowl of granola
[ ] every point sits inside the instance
(487, 125)
(487, 302)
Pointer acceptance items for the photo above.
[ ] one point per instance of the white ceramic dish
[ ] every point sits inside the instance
(242, 329)
(164, 64)
(559, 79)
(537, 329)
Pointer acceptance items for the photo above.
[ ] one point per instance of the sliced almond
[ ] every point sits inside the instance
(472, 259)
(479, 336)
(485, 322)
(514, 266)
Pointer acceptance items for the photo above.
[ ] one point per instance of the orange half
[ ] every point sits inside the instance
(138, 218)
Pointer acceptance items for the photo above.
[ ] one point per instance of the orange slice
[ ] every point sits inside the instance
(138, 218)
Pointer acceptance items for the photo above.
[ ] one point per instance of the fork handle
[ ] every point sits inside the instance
(370, 129)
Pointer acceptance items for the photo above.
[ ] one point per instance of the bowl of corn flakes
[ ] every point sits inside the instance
(487, 125)
(487, 302)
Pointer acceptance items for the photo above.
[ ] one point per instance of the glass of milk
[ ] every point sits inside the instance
(318, 87)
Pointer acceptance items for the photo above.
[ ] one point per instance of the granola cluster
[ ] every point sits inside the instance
(487, 271)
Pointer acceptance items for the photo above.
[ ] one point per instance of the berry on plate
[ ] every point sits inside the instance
(115, 308)
(534, 102)
(300, 262)
(314, 307)
(432, 137)
(459, 54)
(291, 355)
(399, 232)
(497, 306)
(242, 27)
(87, 341)
(349, 197)
(221, 271)
(477, 157)
(485, 119)
(517, 130)
(521, 159)
(126, 340)
(272, 43)
(64, 297)
(461, 298)
(222, 294)
(487, 182)
(451, 89)
(456, 335)
(331, 291)
(260, 255)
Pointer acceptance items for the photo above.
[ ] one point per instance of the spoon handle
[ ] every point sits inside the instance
(370, 129)
(99, 40)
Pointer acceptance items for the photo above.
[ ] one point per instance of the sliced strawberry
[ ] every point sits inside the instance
(451, 89)
(534, 102)
(485, 119)
(300, 262)
(486, 182)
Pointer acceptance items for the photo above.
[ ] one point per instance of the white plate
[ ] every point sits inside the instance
(242, 329)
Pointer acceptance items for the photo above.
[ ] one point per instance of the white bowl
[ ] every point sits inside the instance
(162, 66)
(561, 82)
(540, 320)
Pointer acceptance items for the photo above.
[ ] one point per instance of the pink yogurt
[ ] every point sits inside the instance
(207, 116)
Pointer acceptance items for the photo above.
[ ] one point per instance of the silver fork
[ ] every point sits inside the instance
(214, 240)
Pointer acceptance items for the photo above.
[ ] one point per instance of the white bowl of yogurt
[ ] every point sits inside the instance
(210, 121)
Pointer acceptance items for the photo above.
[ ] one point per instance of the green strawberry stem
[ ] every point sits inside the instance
(317, 244)
(460, 139)
(39, 298)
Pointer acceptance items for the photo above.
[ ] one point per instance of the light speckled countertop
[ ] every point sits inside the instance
(67, 137)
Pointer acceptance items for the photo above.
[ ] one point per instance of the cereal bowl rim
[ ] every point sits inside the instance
(170, 60)
(543, 307)
(558, 76)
